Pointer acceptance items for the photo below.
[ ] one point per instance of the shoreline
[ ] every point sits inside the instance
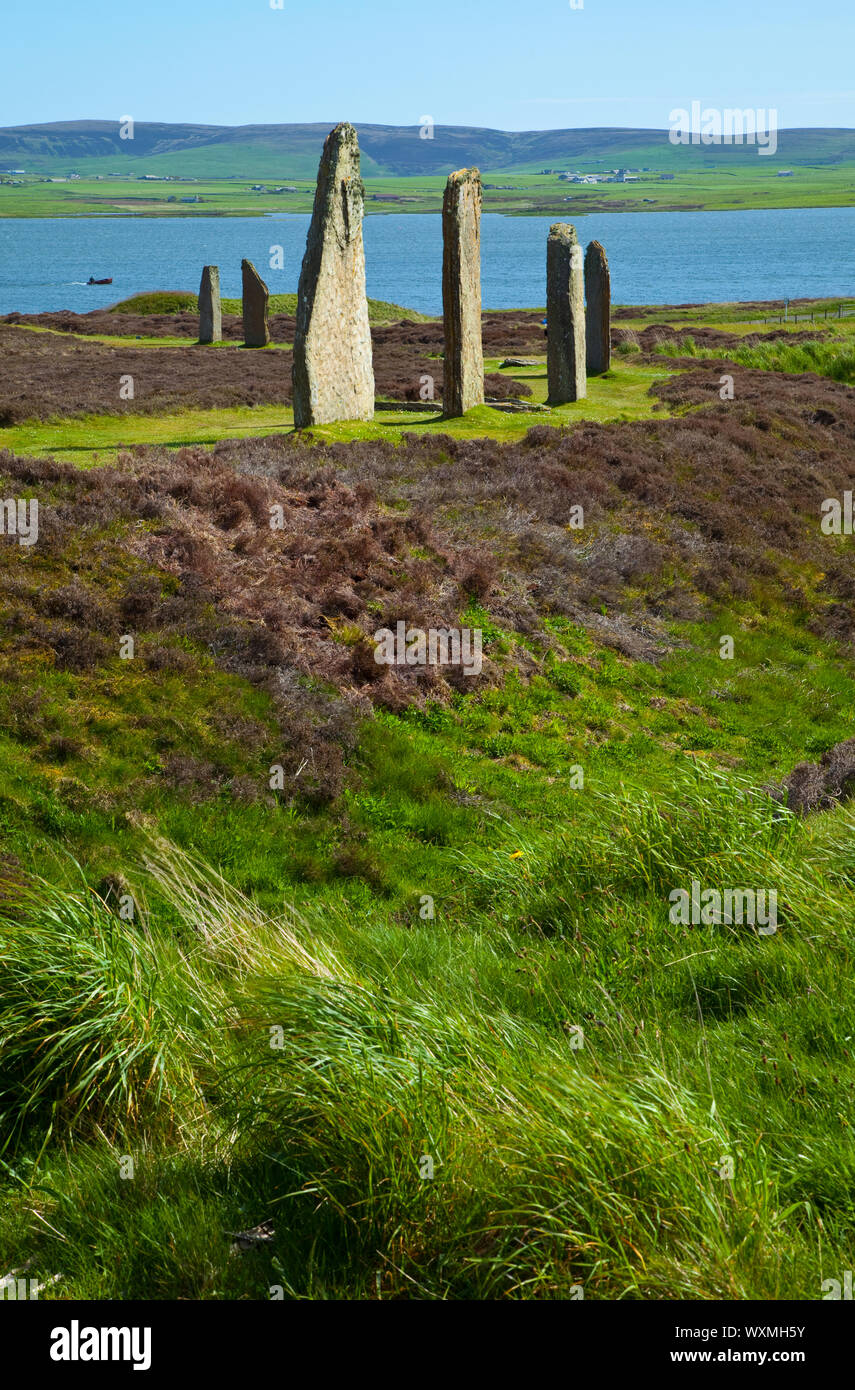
(822, 310)
(556, 210)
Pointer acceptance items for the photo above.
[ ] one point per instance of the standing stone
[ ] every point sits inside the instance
(598, 293)
(256, 332)
(210, 308)
(565, 315)
(333, 371)
(461, 293)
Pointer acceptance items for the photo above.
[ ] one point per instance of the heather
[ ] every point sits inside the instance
(52, 375)
(279, 923)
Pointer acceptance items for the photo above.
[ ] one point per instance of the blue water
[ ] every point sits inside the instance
(655, 257)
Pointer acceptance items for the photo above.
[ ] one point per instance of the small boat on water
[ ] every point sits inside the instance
(93, 281)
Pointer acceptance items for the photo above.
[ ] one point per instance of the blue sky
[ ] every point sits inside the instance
(511, 64)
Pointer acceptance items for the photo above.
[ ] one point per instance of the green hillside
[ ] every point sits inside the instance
(379, 964)
(292, 151)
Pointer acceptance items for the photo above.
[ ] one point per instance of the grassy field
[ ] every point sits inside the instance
(406, 173)
(522, 192)
(224, 1003)
(623, 394)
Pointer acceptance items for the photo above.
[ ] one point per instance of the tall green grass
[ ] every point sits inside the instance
(832, 359)
(96, 1015)
(575, 1066)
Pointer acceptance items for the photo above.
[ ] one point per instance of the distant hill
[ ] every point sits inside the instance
(267, 151)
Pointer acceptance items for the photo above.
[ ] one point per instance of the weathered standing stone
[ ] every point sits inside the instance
(598, 294)
(565, 315)
(256, 331)
(210, 309)
(461, 293)
(333, 370)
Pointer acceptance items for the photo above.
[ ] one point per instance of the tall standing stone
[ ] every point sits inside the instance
(565, 315)
(256, 331)
(333, 371)
(598, 293)
(210, 308)
(461, 293)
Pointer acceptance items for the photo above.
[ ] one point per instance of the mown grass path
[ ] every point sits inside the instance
(622, 395)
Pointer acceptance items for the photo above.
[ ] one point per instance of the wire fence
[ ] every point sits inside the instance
(812, 316)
